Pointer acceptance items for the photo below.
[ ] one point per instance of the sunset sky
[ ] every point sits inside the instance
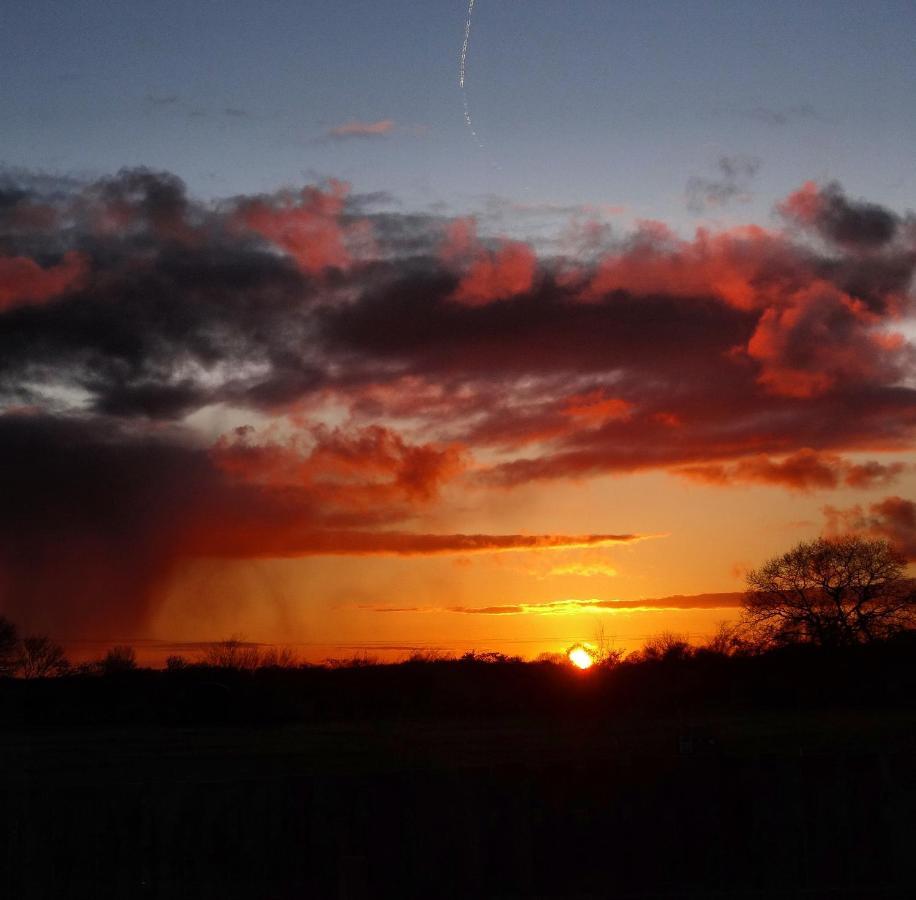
(288, 351)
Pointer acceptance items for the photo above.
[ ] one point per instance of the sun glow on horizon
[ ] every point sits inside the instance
(580, 657)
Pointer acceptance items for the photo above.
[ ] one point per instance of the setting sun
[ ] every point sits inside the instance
(580, 657)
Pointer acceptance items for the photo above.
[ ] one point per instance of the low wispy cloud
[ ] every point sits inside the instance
(732, 183)
(175, 104)
(806, 470)
(726, 600)
(652, 604)
(356, 130)
(396, 543)
(776, 117)
(161, 99)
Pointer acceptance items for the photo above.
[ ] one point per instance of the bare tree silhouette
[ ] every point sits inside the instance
(606, 652)
(830, 592)
(40, 657)
(232, 653)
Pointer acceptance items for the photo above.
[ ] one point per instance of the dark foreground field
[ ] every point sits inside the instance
(108, 791)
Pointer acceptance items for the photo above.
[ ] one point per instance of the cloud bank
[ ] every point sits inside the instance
(381, 358)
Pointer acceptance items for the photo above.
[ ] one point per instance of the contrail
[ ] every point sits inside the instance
(463, 60)
(462, 72)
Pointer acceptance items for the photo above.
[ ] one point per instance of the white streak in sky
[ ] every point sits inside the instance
(463, 60)
(462, 72)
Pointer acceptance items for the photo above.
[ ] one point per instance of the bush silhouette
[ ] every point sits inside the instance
(119, 659)
(665, 647)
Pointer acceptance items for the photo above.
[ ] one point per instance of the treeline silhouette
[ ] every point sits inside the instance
(668, 676)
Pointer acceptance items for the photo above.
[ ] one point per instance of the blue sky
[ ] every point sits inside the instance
(578, 101)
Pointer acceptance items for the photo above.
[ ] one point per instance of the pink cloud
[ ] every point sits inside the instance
(362, 129)
(487, 275)
(23, 281)
(309, 226)
(498, 275)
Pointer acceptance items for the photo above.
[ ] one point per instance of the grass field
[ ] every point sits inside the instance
(815, 804)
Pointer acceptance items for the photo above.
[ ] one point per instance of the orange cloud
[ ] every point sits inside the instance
(290, 542)
(729, 600)
(595, 408)
(892, 519)
(363, 468)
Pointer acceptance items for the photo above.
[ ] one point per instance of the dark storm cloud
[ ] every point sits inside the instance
(170, 306)
(11, 197)
(433, 334)
(87, 526)
(855, 223)
(153, 201)
(171, 299)
(141, 339)
(848, 223)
